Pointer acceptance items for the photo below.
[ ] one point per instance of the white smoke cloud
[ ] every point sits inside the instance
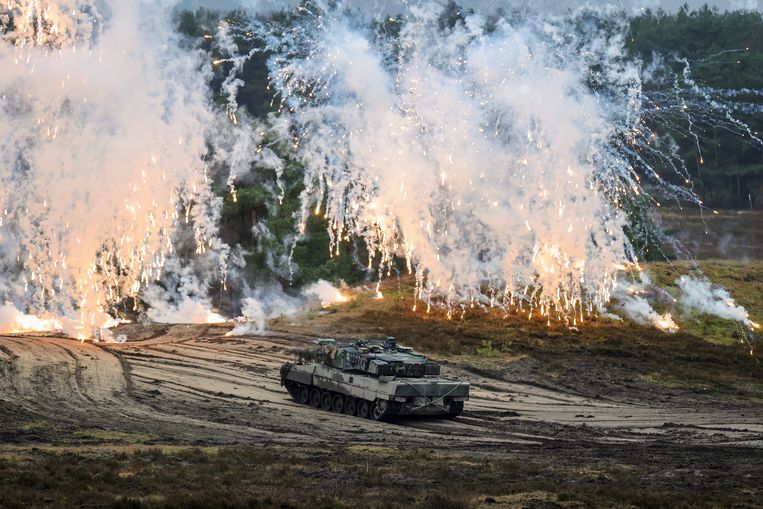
(700, 295)
(638, 309)
(391, 7)
(182, 296)
(263, 304)
(269, 302)
(252, 319)
(487, 153)
(696, 295)
(633, 300)
(185, 311)
(14, 321)
(104, 123)
(479, 157)
(325, 292)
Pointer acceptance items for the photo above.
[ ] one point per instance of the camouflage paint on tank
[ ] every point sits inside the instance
(380, 378)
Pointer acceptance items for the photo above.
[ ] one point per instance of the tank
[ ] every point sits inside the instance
(375, 379)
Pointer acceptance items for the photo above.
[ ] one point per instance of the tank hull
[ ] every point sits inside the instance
(385, 397)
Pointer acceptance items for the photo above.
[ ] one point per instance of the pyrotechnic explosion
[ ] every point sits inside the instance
(325, 293)
(57, 24)
(103, 125)
(497, 157)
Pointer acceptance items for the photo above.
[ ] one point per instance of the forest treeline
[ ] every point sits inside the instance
(723, 52)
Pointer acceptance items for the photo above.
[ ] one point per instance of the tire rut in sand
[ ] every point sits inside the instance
(194, 385)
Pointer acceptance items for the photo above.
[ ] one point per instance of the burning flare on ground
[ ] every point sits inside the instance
(326, 293)
(666, 323)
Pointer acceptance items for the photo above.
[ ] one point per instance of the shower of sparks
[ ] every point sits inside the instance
(101, 146)
(50, 23)
(497, 159)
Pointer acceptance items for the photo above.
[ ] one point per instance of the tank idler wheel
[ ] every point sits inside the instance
(363, 409)
(455, 409)
(303, 394)
(350, 405)
(378, 410)
(315, 397)
(326, 400)
(337, 404)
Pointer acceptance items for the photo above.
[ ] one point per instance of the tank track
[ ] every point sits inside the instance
(378, 410)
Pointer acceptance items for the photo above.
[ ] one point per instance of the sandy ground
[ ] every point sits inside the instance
(191, 384)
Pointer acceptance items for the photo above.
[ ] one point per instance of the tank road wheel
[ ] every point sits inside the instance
(337, 404)
(455, 409)
(363, 409)
(315, 397)
(378, 410)
(303, 394)
(326, 400)
(350, 405)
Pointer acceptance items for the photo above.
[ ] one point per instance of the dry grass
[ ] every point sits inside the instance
(356, 477)
(729, 234)
(706, 355)
(743, 280)
(123, 470)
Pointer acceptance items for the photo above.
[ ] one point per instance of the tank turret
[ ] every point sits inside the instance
(372, 378)
(380, 358)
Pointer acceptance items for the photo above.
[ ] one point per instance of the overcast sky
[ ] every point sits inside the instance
(555, 5)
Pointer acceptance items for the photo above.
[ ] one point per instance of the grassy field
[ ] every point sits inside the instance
(707, 354)
(704, 366)
(724, 234)
(352, 476)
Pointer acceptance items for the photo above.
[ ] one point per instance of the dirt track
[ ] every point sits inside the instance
(191, 384)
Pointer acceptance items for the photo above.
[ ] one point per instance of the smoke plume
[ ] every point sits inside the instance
(104, 123)
(483, 152)
(701, 296)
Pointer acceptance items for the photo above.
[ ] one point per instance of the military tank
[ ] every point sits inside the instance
(374, 379)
